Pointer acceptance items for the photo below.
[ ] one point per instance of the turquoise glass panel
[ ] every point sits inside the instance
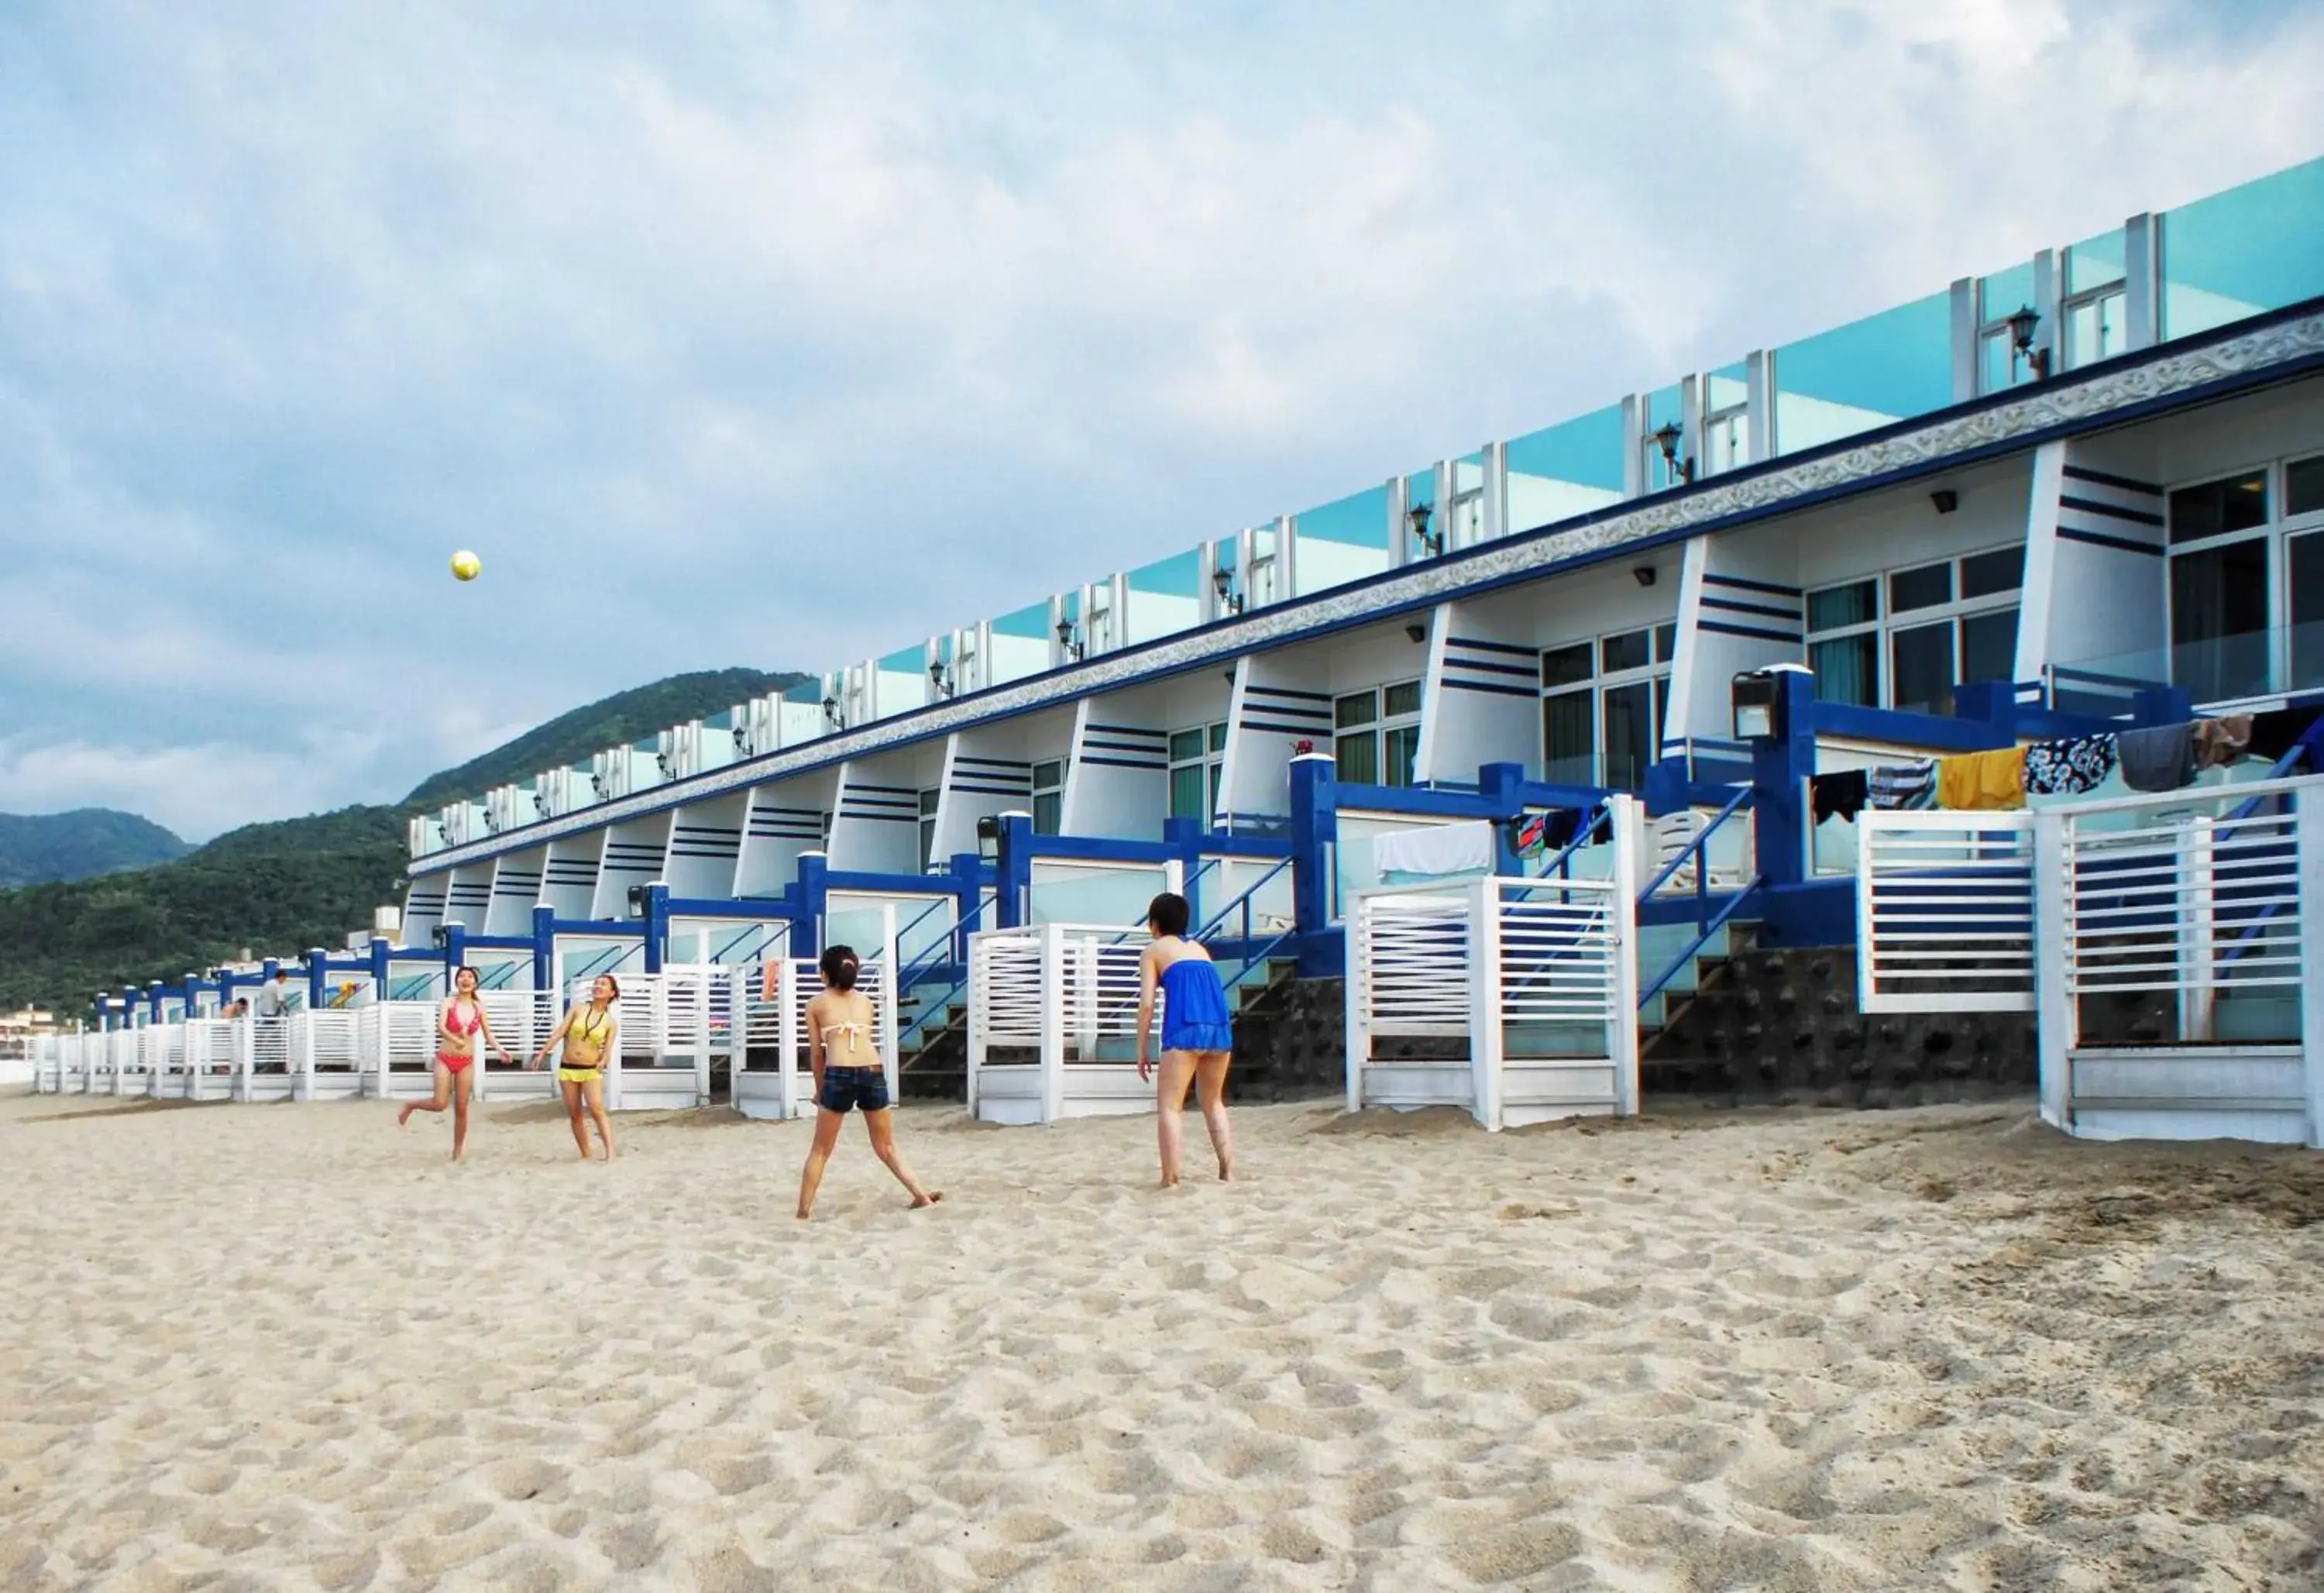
(1867, 373)
(1020, 644)
(2005, 291)
(1341, 542)
(2094, 263)
(1568, 469)
(902, 682)
(1165, 597)
(2243, 252)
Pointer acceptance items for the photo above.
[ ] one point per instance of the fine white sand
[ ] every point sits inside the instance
(289, 1345)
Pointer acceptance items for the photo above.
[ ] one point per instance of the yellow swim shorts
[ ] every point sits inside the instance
(579, 1075)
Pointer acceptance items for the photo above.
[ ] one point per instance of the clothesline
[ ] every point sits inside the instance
(2164, 757)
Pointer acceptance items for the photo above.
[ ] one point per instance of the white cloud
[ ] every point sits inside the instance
(197, 789)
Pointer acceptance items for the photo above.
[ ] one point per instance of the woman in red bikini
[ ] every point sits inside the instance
(459, 1024)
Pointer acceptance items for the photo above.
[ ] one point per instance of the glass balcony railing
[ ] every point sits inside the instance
(2238, 667)
(2225, 258)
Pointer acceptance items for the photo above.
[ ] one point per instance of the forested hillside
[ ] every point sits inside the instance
(280, 887)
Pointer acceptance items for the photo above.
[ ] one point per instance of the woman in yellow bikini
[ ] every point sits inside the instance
(848, 1075)
(591, 1030)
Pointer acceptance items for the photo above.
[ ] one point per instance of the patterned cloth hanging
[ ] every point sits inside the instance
(1898, 786)
(2069, 767)
(1533, 835)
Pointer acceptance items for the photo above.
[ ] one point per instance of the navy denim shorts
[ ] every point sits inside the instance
(845, 1088)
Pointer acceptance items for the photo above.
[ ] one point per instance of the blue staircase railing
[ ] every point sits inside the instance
(1243, 903)
(2286, 764)
(606, 960)
(932, 967)
(1708, 921)
(724, 953)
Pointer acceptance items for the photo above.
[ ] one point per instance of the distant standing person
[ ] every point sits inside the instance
(271, 1039)
(848, 1075)
(1197, 1034)
(460, 1022)
(591, 1030)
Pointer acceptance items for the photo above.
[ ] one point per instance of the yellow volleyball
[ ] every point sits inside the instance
(467, 565)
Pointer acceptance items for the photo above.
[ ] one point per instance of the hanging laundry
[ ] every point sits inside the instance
(1533, 835)
(1841, 794)
(2221, 742)
(1562, 825)
(2274, 733)
(1436, 849)
(1983, 782)
(2161, 757)
(1902, 785)
(2069, 767)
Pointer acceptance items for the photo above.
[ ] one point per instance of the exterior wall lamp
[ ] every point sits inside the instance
(1667, 439)
(2022, 325)
(1069, 638)
(1223, 583)
(1432, 542)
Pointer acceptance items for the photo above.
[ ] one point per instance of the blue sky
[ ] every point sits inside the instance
(786, 334)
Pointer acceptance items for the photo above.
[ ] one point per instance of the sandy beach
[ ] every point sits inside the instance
(287, 1347)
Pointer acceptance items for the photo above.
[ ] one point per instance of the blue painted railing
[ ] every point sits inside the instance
(1708, 921)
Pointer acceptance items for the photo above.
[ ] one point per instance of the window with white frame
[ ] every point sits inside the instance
(929, 800)
(2246, 581)
(1377, 735)
(1905, 638)
(1049, 796)
(1602, 706)
(1196, 757)
(2093, 314)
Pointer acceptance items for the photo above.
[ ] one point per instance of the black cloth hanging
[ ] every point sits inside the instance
(2274, 733)
(1840, 794)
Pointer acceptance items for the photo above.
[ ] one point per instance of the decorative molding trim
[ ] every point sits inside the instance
(2070, 402)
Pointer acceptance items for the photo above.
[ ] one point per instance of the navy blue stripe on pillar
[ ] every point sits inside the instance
(1794, 637)
(1740, 584)
(1491, 687)
(2120, 544)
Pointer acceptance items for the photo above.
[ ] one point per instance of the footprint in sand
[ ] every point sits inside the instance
(520, 1480)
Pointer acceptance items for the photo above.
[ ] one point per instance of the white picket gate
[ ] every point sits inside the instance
(1944, 911)
(326, 1054)
(2177, 964)
(163, 1057)
(1053, 1022)
(1513, 999)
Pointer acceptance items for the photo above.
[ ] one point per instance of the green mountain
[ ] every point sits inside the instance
(269, 887)
(284, 886)
(623, 718)
(36, 848)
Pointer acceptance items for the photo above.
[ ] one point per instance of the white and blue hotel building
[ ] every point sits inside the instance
(2084, 490)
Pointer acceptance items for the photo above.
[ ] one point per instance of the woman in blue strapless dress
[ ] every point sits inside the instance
(1197, 1034)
